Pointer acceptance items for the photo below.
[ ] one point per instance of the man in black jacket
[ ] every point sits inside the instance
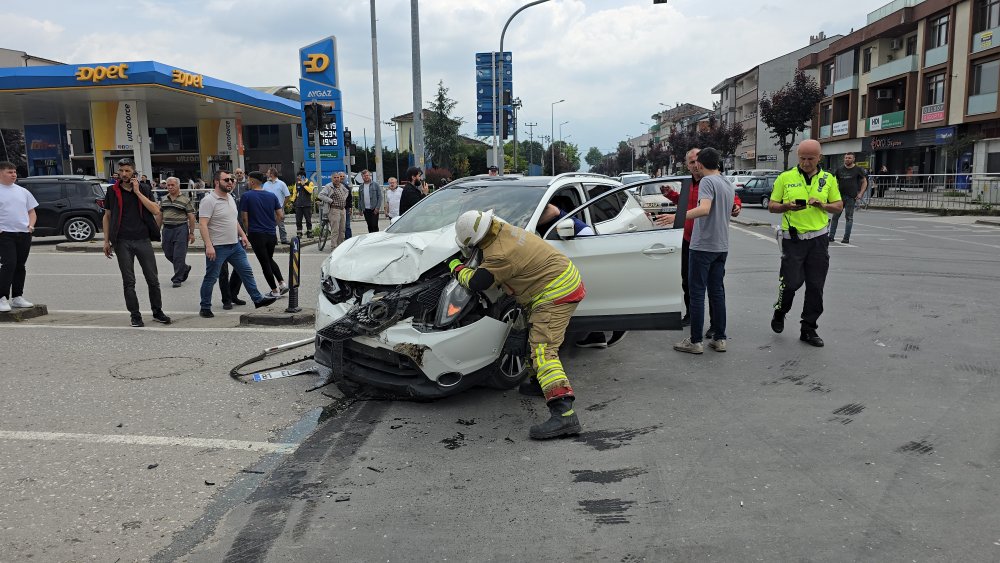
(413, 190)
(130, 224)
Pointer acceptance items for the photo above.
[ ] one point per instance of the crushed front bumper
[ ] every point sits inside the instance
(370, 344)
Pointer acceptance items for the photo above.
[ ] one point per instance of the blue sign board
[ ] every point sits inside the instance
(319, 83)
(486, 69)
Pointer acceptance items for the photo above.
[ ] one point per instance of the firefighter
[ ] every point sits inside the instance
(546, 283)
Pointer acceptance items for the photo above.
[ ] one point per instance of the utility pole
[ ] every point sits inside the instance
(418, 104)
(378, 121)
(531, 141)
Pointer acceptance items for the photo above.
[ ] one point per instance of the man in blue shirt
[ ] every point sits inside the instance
(261, 212)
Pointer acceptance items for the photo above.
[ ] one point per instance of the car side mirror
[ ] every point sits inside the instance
(566, 229)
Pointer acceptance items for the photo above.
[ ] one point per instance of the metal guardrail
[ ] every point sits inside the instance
(935, 192)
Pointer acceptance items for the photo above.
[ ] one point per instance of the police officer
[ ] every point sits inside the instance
(542, 280)
(804, 195)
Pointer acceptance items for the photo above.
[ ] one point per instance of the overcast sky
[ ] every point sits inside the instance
(612, 61)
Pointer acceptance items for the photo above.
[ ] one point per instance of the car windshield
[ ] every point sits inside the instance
(513, 203)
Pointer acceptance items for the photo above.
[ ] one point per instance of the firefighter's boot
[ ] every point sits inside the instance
(562, 423)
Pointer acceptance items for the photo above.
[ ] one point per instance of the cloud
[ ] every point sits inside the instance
(614, 61)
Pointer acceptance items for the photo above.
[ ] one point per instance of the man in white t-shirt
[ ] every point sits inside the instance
(17, 222)
(225, 241)
(392, 196)
(280, 191)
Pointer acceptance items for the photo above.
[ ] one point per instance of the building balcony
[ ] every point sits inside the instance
(824, 131)
(749, 116)
(982, 103)
(894, 68)
(936, 56)
(845, 84)
(986, 39)
(827, 90)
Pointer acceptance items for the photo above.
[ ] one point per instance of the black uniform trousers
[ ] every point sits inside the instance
(14, 249)
(803, 261)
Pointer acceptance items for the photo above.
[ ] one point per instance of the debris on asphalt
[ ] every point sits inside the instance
(119, 425)
(374, 469)
(152, 466)
(342, 499)
(254, 471)
(209, 483)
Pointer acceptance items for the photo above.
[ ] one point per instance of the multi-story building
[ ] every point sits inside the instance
(739, 102)
(915, 90)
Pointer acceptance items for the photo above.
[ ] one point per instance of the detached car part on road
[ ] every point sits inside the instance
(391, 316)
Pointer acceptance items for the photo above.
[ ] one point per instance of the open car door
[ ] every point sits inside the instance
(632, 277)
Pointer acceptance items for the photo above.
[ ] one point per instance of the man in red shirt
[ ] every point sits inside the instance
(696, 174)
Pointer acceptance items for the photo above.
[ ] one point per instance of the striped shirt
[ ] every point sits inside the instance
(175, 211)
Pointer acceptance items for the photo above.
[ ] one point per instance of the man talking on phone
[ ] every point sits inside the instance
(130, 225)
(804, 195)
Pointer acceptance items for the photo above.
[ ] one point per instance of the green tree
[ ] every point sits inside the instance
(567, 158)
(790, 110)
(594, 157)
(441, 129)
(14, 149)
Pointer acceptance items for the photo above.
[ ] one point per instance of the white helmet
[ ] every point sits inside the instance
(472, 226)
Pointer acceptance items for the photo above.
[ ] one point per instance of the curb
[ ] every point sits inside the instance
(18, 315)
(747, 223)
(278, 318)
(991, 223)
(157, 247)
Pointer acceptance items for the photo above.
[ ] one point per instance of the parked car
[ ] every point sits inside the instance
(632, 177)
(390, 315)
(757, 189)
(69, 205)
(651, 195)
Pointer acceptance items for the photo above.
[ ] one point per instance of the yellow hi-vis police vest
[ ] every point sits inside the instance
(791, 185)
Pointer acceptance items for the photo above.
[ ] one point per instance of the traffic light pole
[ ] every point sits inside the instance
(498, 81)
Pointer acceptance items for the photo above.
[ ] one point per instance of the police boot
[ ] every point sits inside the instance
(530, 387)
(562, 423)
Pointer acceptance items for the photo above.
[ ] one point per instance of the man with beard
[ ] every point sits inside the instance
(130, 226)
(413, 189)
(225, 242)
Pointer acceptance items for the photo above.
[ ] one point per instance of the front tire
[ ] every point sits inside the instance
(510, 369)
(79, 229)
(764, 201)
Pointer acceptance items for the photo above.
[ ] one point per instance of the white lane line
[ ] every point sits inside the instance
(105, 312)
(892, 239)
(923, 234)
(147, 328)
(270, 447)
(34, 274)
(751, 233)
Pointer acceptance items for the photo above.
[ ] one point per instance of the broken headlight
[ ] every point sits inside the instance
(334, 291)
(455, 298)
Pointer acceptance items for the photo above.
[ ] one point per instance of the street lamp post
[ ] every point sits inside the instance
(552, 127)
(498, 81)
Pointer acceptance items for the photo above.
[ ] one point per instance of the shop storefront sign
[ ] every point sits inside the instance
(885, 143)
(944, 135)
(931, 113)
(886, 121)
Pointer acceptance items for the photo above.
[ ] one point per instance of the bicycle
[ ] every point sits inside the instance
(324, 231)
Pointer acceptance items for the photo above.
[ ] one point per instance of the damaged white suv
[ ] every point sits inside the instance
(391, 316)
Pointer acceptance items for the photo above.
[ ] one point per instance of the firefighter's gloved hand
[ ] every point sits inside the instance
(456, 266)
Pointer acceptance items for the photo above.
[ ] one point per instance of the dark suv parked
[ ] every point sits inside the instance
(69, 205)
(757, 190)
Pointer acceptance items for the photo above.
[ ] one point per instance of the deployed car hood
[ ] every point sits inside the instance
(392, 258)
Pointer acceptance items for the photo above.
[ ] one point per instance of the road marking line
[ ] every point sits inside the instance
(932, 236)
(243, 329)
(892, 239)
(269, 447)
(105, 312)
(751, 233)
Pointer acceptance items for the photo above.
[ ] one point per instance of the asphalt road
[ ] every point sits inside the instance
(882, 446)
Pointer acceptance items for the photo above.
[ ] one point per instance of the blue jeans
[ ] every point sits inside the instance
(707, 271)
(237, 257)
